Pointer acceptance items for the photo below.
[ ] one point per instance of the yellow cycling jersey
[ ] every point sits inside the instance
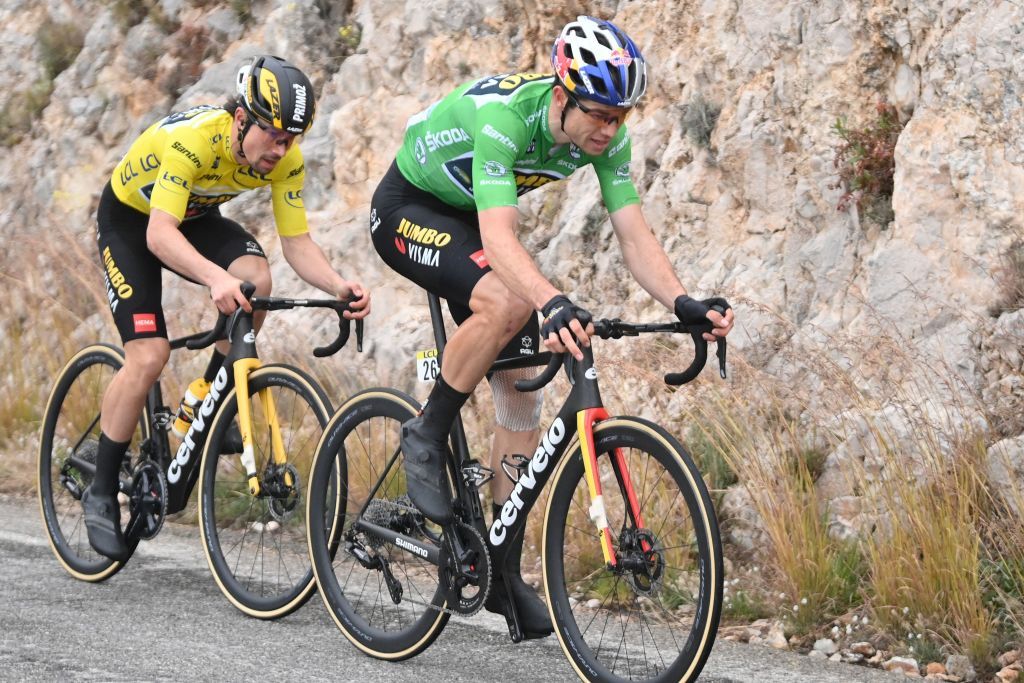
(183, 165)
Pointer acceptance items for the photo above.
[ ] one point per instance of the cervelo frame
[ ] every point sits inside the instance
(577, 416)
(182, 468)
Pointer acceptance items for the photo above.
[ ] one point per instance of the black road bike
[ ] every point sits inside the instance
(251, 444)
(632, 558)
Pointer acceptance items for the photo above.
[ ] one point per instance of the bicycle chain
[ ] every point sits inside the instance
(375, 517)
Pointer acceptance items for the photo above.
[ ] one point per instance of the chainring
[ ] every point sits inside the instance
(148, 499)
(466, 591)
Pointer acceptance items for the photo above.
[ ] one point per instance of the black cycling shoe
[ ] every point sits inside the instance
(103, 522)
(533, 613)
(425, 473)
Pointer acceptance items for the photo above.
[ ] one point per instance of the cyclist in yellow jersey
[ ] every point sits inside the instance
(160, 210)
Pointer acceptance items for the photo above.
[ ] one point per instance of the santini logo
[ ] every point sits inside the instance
(188, 444)
(402, 543)
(527, 480)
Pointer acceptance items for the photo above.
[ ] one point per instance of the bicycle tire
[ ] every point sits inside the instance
(356, 447)
(658, 622)
(256, 546)
(70, 420)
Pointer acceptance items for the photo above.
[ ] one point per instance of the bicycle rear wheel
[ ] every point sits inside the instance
(256, 545)
(70, 435)
(653, 617)
(386, 600)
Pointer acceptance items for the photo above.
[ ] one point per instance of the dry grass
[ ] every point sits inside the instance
(58, 283)
(934, 550)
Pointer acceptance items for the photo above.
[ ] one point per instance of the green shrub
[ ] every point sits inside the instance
(699, 119)
(22, 110)
(865, 160)
(1010, 279)
(58, 43)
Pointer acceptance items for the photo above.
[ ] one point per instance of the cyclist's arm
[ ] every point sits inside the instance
(165, 241)
(644, 255)
(649, 264)
(307, 259)
(507, 257)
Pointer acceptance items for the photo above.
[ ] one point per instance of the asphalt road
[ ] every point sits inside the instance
(163, 618)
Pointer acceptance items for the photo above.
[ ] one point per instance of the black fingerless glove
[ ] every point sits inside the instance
(690, 311)
(558, 313)
(693, 312)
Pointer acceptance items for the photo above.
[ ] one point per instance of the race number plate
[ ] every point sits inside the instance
(427, 365)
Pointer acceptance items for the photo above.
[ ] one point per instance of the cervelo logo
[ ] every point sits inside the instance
(492, 132)
(300, 102)
(402, 543)
(188, 444)
(527, 480)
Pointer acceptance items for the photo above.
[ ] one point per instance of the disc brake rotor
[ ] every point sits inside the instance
(283, 495)
(647, 558)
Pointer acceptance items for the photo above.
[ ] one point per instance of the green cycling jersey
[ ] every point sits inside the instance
(489, 141)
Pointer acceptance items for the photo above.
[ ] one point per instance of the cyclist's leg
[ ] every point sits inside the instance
(444, 259)
(515, 433)
(132, 280)
(229, 245)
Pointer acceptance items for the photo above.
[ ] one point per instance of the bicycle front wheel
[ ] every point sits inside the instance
(67, 457)
(653, 616)
(386, 600)
(256, 544)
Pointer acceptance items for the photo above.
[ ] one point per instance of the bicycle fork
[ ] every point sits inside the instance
(242, 367)
(585, 421)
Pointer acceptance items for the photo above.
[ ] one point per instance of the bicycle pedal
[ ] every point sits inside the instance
(163, 418)
(476, 474)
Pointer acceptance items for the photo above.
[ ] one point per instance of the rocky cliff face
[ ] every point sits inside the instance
(734, 148)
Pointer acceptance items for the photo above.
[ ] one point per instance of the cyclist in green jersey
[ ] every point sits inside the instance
(160, 210)
(445, 216)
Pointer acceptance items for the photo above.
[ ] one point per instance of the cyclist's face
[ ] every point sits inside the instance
(264, 147)
(591, 125)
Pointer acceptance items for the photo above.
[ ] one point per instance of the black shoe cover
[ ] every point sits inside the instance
(425, 473)
(103, 522)
(533, 613)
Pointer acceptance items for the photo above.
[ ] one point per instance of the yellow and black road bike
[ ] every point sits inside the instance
(251, 444)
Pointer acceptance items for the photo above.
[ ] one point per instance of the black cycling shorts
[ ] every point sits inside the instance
(131, 272)
(438, 247)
